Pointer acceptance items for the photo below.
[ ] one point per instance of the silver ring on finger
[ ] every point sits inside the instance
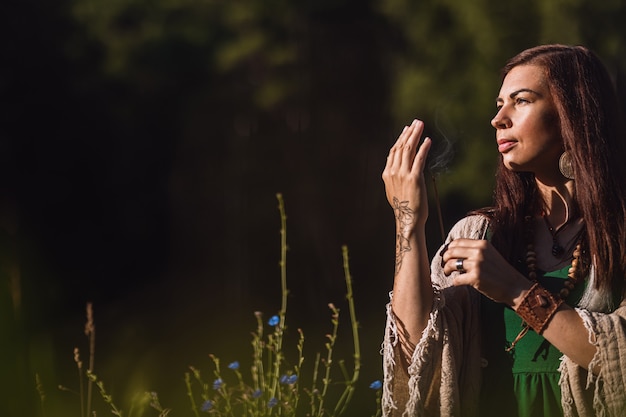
(459, 265)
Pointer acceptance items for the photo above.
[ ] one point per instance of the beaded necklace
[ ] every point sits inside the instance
(573, 274)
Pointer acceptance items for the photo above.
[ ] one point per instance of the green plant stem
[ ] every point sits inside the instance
(194, 407)
(379, 395)
(298, 367)
(81, 389)
(280, 328)
(42, 394)
(283, 257)
(222, 391)
(106, 397)
(90, 332)
(349, 391)
(329, 357)
(258, 373)
(314, 391)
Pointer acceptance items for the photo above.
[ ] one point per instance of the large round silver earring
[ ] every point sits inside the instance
(565, 166)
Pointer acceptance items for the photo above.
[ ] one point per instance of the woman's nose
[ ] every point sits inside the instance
(500, 120)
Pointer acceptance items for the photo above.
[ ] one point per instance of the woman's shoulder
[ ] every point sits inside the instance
(472, 226)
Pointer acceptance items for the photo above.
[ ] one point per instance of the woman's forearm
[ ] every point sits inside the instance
(565, 330)
(412, 289)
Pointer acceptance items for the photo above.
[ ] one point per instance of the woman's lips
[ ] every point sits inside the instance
(505, 144)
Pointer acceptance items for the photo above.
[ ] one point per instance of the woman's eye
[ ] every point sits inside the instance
(521, 100)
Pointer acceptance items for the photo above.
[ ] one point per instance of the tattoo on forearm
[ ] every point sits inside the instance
(405, 218)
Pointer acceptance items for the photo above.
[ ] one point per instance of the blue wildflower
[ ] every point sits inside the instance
(272, 402)
(206, 406)
(376, 385)
(233, 365)
(273, 321)
(288, 379)
(257, 393)
(217, 384)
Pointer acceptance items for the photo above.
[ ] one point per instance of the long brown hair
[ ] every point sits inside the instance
(592, 132)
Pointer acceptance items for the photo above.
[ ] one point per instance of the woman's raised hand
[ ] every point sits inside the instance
(404, 176)
(406, 192)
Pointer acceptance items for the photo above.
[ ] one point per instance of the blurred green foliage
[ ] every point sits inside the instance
(440, 58)
(122, 116)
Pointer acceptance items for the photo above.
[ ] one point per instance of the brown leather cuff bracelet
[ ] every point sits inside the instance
(537, 307)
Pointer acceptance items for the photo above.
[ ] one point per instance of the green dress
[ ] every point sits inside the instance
(523, 382)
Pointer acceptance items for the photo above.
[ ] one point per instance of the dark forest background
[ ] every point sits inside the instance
(142, 144)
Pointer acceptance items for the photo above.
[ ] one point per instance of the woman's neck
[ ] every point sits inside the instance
(557, 225)
(558, 201)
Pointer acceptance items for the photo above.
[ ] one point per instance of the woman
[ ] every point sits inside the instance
(521, 313)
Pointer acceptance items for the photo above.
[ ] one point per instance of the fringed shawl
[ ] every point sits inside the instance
(444, 376)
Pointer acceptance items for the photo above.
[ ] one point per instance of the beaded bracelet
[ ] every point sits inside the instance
(537, 307)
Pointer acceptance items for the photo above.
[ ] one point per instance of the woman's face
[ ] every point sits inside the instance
(527, 125)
